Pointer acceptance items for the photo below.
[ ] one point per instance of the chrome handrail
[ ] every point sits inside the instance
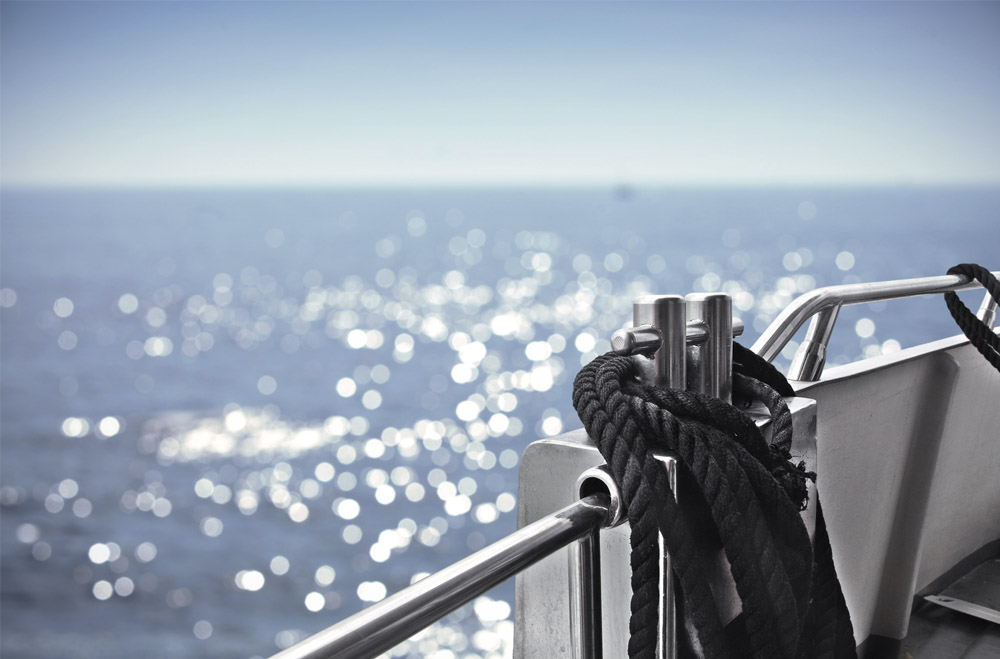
(823, 305)
(401, 615)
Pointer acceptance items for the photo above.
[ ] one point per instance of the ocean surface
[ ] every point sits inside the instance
(231, 418)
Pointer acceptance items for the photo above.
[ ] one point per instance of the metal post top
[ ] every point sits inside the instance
(651, 298)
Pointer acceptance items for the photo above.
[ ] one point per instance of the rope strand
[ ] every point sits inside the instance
(752, 495)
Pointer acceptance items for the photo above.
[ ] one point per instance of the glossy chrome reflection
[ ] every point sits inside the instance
(586, 621)
(644, 339)
(585, 618)
(987, 310)
(664, 313)
(599, 480)
(810, 357)
(710, 363)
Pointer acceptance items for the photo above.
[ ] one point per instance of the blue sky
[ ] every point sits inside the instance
(260, 93)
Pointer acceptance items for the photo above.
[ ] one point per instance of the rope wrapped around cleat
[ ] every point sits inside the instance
(979, 333)
(792, 604)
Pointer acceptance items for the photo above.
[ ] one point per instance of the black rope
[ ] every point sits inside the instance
(979, 333)
(792, 606)
(749, 363)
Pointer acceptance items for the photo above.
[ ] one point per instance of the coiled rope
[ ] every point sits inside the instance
(792, 604)
(979, 333)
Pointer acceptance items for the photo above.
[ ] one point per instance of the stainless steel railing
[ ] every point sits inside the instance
(823, 305)
(403, 614)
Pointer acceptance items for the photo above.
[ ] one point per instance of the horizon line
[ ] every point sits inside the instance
(623, 185)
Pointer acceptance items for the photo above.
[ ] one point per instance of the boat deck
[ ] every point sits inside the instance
(960, 622)
(939, 633)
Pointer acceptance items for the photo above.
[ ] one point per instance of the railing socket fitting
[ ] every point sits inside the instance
(598, 480)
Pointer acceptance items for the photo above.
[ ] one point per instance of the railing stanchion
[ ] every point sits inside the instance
(829, 299)
(810, 358)
(987, 310)
(585, 597)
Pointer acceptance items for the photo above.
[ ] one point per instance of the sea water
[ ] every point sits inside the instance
(232, 417)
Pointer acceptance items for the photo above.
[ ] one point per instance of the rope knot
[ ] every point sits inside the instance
(791, 476)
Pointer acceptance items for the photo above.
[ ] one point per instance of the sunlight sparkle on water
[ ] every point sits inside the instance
(366, 397)
(251, 580)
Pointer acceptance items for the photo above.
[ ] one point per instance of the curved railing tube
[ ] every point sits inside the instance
(823, 304)
(401, 615)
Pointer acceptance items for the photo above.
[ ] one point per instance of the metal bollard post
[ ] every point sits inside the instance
(710, 371)
(710, 364)
(665, 314)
